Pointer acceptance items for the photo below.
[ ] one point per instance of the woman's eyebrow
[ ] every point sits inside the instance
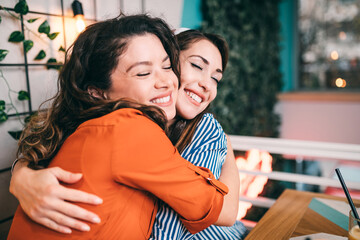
(165, 58)
(137, 64)
(206, 62)
(202, 58)
(148, 63)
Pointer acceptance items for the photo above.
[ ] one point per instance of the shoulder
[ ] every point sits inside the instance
(124, 116)
(210, 120)
(208, 132)
(209, 125)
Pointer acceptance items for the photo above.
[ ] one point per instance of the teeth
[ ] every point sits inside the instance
(161, 100)
(194, 96)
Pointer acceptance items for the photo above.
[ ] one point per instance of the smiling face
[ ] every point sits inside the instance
(144, 74)
(201, 71)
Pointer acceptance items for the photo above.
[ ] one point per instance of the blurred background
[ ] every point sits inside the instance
(292, 78)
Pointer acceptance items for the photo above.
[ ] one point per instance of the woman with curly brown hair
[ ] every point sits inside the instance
(118, 144)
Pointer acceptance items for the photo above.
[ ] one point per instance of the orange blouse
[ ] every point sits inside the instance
(128, 161)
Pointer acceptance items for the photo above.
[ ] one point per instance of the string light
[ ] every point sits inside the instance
(340, 83)
(334, 55)
(79, 15)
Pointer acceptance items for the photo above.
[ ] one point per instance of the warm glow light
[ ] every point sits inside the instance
(80, 23)
(251, 186)
(334, 55)
(340, 83)
(342, 35)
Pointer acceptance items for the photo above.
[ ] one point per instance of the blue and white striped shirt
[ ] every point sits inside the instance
(208, 149)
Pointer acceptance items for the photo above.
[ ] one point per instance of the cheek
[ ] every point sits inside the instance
(213, 93)
(187, 75)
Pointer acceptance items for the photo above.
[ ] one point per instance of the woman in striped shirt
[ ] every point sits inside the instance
(203, 60)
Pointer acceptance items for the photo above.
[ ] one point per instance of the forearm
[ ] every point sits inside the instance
(48, 203)
(230, 177)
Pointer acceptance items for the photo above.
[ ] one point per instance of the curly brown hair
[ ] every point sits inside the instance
(91, 60)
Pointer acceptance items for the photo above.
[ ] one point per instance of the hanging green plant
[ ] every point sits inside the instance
(16, 36)
(28, 44)
(15, 134)
(53, 61)
(3, 116)
(44, 27)
(41, 55)
(21, 7)
(32, 20)
(2, 105)
(52, 36)
(3, 54)
(61, 49)
(23, 95)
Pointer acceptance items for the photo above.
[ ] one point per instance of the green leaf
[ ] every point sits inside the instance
(2, 105)
(15, 134)
(21, 7)
(28, 44)
(3, 54)
(61, 49)
(16, 36)
(52, 36)
(3, 116)
(53, 60)
(23, 95)
(40, 55)
(32, 20)
(27, 119)
(44, 27)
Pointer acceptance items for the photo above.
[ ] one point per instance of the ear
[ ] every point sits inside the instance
(96, 93)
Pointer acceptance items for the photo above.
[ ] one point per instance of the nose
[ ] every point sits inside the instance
(164, 79)
(205, 84)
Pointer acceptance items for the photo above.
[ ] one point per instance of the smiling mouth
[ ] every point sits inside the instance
(194, 96)
(162, 100)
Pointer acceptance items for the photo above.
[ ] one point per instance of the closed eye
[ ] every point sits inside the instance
(142, 74)
(167, 68)
(196, 66)
(216, 80)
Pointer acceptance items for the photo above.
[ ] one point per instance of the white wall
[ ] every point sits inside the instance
(42, 81)
(331, 121)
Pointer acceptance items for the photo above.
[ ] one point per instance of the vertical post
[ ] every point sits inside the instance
(299, 169)
(63, 22)
(26, 65)
(142, 6)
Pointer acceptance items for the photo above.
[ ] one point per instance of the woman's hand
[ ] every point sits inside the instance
(45, 201)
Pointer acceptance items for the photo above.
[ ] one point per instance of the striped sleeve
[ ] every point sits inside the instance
(208, 147)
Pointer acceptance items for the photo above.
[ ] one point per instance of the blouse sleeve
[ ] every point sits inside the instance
(145, 159)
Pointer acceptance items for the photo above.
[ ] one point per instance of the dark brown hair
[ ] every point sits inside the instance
(182, 131)
(91, 61)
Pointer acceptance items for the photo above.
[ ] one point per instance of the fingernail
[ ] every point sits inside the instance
(96, 220)
(98, 200)
(67, 230)
(85, 228)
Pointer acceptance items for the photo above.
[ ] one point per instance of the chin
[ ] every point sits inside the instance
(170, 116)
(187, 116)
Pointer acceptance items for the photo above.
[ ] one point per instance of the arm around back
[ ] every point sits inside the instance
(146, 160)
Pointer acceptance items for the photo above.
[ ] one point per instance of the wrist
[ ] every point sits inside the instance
(20, 168)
